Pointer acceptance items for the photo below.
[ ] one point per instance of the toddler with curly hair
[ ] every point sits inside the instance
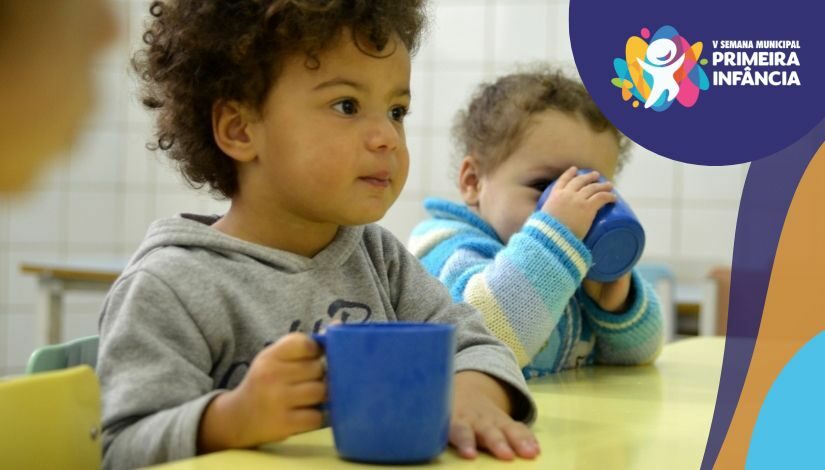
(294, 110)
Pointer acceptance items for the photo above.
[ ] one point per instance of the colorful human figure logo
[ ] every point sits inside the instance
(665, 70)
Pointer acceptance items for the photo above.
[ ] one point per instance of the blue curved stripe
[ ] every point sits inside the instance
(787, 433)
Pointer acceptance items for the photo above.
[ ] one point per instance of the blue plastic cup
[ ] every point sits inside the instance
(390, 389)
(615, 240)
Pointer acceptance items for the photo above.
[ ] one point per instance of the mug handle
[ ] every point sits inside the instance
(321, 339)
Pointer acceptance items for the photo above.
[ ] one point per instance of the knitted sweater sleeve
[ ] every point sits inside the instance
(632, 337)
(521, 289)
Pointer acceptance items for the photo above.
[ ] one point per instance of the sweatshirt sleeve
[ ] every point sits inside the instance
(418, 296)
(154, 368)
(522, 289)
(632, 337)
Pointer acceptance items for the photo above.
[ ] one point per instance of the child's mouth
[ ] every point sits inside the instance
(377, 182)
(378, 179)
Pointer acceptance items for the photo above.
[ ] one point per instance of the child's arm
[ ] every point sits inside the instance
(490, 392)
(522, 289)
(154, 366)
(275, 400)
(625, 313)
(628, 332)
(481, 418)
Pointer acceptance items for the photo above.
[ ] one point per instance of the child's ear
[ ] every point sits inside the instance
(469, 180)
(231, 127)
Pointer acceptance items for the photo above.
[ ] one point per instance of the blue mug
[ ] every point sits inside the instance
(615, 240)
(390, 389)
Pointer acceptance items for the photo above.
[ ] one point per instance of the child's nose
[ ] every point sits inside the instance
(382, 135)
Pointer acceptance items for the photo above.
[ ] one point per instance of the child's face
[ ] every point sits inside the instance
(330, 143)
(554, 142)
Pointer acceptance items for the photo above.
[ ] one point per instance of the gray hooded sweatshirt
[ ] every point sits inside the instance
(193, 308)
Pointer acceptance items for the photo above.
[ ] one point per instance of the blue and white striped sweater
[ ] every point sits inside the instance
(529, 291)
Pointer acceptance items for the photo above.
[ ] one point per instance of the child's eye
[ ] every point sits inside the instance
(398, 113)
(540, 185)
(346, 106)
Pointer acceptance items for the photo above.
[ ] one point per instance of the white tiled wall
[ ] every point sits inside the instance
(97, 205)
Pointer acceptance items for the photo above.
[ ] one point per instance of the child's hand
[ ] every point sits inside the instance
(275, 400)
(575, 199)
(481, 419)
(611, 296)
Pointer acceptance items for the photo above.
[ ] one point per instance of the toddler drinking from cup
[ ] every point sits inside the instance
(523, 268)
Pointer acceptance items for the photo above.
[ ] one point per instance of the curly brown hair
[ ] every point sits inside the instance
(492, 126)
(199, 52)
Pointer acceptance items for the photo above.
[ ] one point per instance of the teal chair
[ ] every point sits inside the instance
(62, 356)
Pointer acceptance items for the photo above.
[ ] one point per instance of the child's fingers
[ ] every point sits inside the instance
(463, 439)
(522, 440)
(565, 177)
(306, 394)
(580, 181)
(295, 347)
(594, 188)
(300, 371)
(304, 419)
(493, 439)
(602, 198)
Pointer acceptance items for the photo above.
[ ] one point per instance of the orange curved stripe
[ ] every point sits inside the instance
(794, 306)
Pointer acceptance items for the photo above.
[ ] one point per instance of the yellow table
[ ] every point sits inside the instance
(601, 417)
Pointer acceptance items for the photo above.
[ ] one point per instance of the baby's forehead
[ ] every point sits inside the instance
(560, 140)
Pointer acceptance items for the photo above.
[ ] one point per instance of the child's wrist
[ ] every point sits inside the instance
(561, 243)
(475, 382)
(217, 430)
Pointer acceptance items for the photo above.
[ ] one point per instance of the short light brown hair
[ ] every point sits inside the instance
(492, 126)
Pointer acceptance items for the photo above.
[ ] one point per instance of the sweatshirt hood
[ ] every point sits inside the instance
(193, 231)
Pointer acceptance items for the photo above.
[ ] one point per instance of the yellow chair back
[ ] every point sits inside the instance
(51, 420)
